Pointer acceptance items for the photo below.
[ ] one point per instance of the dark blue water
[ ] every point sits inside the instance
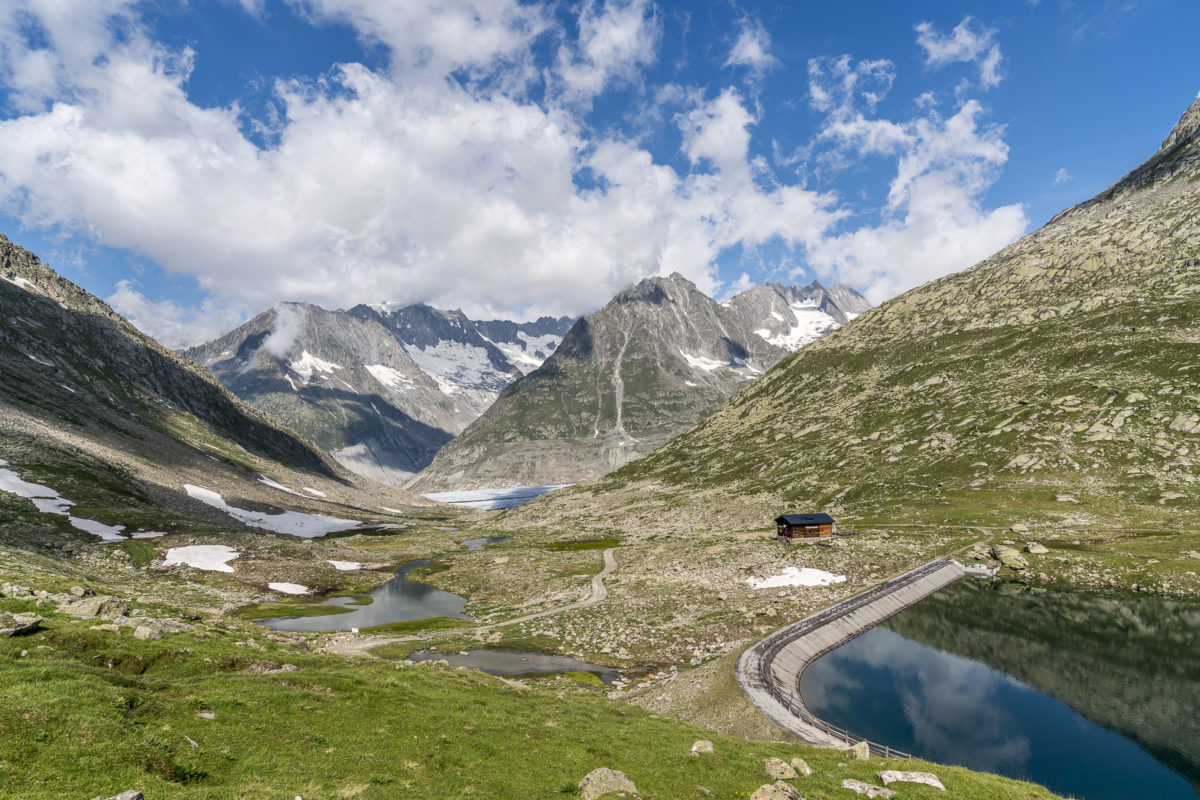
(914, 692)
(398, 600)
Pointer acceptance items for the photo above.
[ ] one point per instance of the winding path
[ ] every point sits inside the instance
(363, 644)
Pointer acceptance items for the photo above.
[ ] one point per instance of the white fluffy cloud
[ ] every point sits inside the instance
(752, 48)
(968, 42)
(407, 184)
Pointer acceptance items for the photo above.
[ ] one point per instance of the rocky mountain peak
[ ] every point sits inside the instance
(1186, 128)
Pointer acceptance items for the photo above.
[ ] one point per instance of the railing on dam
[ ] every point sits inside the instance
(789, 696)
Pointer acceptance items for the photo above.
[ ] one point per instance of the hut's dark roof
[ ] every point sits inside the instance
(805, 519)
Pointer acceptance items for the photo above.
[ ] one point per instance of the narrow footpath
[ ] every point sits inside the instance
(769, 670)
(361, 645)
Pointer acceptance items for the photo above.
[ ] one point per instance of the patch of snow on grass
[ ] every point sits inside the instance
(345, 566)
(392, 510)
(207, 557)
(797, 576)
(37, 360)
(293, 523)
(288, 588)
(279, 486)
(107, 533)
(314, 492)
(308, 364)
(391, 378)
(702, 362)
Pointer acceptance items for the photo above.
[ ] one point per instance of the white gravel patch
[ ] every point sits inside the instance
(797, 576)
(288, 588)
(293, 523)
(208, 557)
(345, 566)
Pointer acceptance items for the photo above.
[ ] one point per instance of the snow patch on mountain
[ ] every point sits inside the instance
(391, 378)
(809, 324)
(703, 362)
(293, 523)
(309, 364)
(456, 366)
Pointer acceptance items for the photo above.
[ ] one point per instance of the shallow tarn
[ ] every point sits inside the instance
(516, 662)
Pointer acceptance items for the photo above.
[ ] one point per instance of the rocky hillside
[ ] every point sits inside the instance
(654, 361)
(1057, 382)
(96, 413)
(381, 389)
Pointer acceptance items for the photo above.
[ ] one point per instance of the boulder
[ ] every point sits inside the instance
(146, 632)
(861, 751)
(702, 746)
(776, 791)
(82, 591)
(602, 781)
(17, 624)
(868, 789)
(129, 795)
(1036, 548)
(801, 766)
(1009, 557)
(778, 770)
(890, 776)
(102, 605)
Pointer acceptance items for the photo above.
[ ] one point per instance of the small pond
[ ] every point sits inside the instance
(1092, 695)
(398, 600)
(516, 662)
(494, 499)
(479, 544)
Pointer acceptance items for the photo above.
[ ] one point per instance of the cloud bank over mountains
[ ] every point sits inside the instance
(469, 169)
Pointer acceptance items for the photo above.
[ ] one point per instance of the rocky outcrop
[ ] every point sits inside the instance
(18, 624)
(890, 776)
(777, 791)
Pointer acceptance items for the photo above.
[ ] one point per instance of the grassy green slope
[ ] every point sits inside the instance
(86, 712)
(1057, 382)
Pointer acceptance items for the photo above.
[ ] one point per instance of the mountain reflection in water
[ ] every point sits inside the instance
(1091, 695)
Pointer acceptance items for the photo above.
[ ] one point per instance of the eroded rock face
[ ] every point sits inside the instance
(602, 781)
(777, 791)
(890, 776)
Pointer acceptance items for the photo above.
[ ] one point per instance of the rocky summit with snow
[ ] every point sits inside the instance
(379, 387)
(652, 363)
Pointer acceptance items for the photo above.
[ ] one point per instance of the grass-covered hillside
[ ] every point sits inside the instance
(1056, 384)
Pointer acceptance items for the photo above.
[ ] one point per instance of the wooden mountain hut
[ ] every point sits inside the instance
(804, 526)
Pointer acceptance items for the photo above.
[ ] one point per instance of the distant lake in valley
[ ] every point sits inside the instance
(494, 499)
(1093, 695)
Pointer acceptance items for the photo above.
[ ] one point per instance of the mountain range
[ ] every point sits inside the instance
(381, 388)
(652, 363)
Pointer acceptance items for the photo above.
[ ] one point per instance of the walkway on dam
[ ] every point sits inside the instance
(769, 670)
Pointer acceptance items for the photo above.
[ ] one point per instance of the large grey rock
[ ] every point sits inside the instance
(1010, 557)
(890, 776)
(861, 751)
(801, 766)
(602, 781)
(129, 795)
(1036, 548)
(99, 606)
(777, 791)
(868, 789)
(702, 746)
(777, 769)
(17, 624)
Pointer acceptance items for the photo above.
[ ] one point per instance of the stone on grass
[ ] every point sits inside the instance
(1037, 548)
(861, 751)
(1009, 557)
(801, 766)
(99, 606)
(602, 781)
(702, 746)
(868, 789)
(890, 776)
(145, 632)
(778, 769)
(777, 791)
(17, 624)
(129, 795)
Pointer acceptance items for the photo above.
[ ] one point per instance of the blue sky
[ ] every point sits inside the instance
(194, 163)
